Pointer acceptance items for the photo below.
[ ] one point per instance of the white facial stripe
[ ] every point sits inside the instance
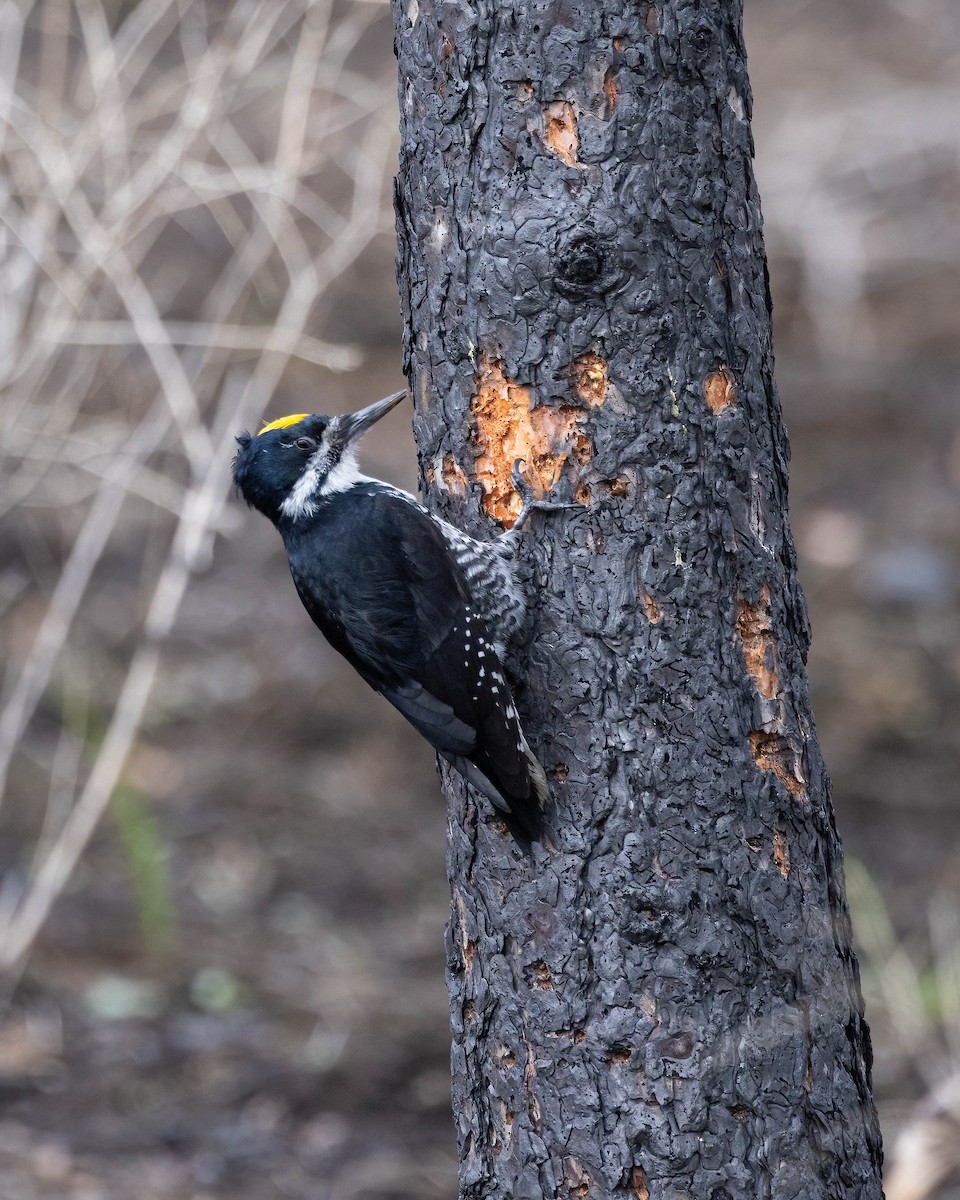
(320, 479)
(344, 475)
(300, 502)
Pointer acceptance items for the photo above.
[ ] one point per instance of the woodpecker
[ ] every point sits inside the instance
(421, 610)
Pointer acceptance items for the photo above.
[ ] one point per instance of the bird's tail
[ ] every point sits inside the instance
(521, 807)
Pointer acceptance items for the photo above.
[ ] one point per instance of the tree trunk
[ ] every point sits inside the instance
(663, 1001)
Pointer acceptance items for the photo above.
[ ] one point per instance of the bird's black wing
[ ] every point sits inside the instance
(378, 579)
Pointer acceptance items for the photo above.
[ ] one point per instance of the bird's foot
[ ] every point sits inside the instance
(531, 503)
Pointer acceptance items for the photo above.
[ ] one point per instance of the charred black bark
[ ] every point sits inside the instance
(664, 1003)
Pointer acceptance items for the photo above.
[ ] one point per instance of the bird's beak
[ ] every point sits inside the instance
(353, 425)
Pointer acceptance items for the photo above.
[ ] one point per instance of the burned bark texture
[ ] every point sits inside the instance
(662, 1001)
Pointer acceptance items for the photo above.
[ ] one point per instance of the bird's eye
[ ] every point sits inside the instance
(305, 443)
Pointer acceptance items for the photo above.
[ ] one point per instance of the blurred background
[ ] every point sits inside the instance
(223, 892)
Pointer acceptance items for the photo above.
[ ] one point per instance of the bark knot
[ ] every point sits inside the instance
(588, 265)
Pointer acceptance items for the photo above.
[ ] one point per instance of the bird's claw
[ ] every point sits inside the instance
(530, 502)
(520, 482)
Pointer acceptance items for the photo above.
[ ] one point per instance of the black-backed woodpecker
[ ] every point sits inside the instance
(421, 610)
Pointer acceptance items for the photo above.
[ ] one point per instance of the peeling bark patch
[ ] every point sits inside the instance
(638, 1184)
(619, 486)
(577, 1036)
(773, 752)
(506, 1057)
(781, 853)
(652, 20)
(452, 476)
(755, 630)
(590, 377)
(582, 449)
(618, 1056)
(610, 90)
(651, 608)
(423, 394)
(678, 1047)
(508, 427)
(576, 1180)
(533, 1109)
(720, 390)
(468, 946)
(540, 977)
(561, 133)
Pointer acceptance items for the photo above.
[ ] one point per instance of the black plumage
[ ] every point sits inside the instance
(386, 583)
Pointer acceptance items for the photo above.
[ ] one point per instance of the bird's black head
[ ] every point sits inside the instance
(286, 469)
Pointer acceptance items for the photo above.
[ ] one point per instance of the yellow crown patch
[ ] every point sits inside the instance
(283, 422)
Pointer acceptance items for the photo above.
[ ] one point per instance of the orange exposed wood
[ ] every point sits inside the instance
(773, 752)
(508, 427)
(590, 377)
(561, 133)
(611, 90)
(781, 853)
(638, 1184)
(650, 607)
(720, 390)
(755, 630)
